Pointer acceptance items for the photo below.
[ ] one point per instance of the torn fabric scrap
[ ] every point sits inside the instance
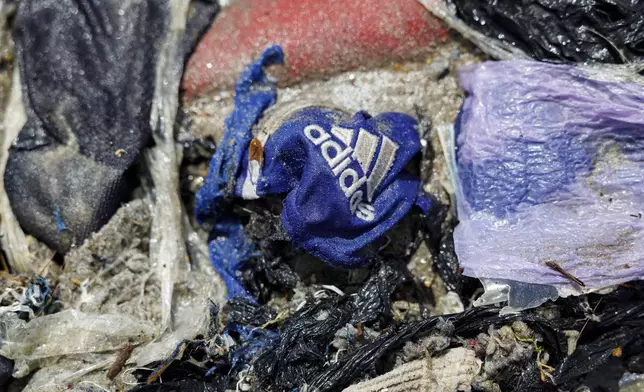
(254, 93)
(229, 247)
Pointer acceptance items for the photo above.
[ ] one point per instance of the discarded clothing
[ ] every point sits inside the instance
(565, 30)
(254, 93)
(344, 176)
(550, 176)
(229, 250)
(229, 247)
(315, 38)
(453, 370)
(88, 88)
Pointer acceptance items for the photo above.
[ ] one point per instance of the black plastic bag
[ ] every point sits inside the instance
(607, 31)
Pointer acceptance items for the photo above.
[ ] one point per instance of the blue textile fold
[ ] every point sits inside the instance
(229, 248)
(344, 178)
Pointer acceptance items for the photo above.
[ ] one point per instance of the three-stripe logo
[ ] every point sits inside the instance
(374, 155)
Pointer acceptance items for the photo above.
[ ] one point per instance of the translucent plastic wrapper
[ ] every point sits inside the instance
(549, 167)
(69, 332)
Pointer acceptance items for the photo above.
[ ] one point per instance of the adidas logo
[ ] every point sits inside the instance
(347, 158)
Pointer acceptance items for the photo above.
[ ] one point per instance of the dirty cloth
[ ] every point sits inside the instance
(88, 73)
(563, 30)
(344, 177)
(550, 169)
(318, 39)
(88, 88)
(229, 247)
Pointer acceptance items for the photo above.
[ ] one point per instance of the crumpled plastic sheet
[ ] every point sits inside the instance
(581, 32)
(81, 371)
(549, 168)
(69, 332)
(186, 288)
(467, 324)
(229, 247)
(496, 48)
(294, 357)
(561, 30)
(168, 245)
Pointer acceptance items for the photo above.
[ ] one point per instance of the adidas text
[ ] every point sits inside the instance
(358, 189)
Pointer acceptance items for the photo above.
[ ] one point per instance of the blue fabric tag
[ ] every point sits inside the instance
(344, 178)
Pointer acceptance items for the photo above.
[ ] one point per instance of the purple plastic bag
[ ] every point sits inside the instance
(550, 168)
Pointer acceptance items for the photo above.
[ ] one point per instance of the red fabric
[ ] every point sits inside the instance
(319, 37)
